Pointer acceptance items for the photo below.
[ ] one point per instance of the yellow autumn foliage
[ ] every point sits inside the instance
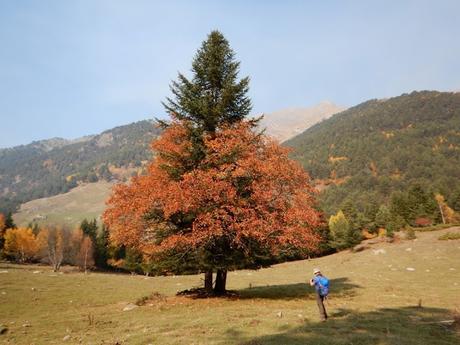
(21, 244)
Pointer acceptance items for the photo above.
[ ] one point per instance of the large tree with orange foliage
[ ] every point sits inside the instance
(244, 198)
(218, 196)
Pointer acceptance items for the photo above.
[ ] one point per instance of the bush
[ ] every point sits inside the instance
(450, 236)
(154, 296)
(410, 234)
(422, 222)
(141, 301)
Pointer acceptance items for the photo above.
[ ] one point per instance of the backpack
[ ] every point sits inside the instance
(323, 284)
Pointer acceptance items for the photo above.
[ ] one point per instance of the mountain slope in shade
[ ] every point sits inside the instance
(287, 123)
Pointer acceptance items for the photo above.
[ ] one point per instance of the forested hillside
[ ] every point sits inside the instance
(54, 166)
(364, 154)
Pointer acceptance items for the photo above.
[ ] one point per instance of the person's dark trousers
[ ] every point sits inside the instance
(322, 310)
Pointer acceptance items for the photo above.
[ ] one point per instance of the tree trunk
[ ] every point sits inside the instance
(221, 281)
(208, 281)
(442, 213)
(86, 256)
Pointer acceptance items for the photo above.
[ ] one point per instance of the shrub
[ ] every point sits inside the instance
(422, 221)
(141, 301)
(410, 234)
(450, 236)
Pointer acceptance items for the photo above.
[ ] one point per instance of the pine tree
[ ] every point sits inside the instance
(214, 96)
(383, 217)
(454, 200)
(370, 211)
(9, 222)
(89, 228)
(421, 203)
(399, 206)
(101, 250)
(132, 261)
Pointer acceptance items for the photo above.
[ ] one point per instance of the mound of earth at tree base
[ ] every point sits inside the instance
(202, 293)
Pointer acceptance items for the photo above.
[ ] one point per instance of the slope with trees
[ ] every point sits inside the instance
(52, 167)
(368, 154)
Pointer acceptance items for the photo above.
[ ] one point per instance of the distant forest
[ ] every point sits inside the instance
(51, 167)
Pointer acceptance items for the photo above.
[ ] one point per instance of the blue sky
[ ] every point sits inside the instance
(73, 68)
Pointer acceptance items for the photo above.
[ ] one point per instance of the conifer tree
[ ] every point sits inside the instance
(383, 217)
(213, 96)
(454, 200)
(101, 253)
(9, 222)
(89, 228)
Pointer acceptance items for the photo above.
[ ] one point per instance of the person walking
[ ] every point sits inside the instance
(321, 284)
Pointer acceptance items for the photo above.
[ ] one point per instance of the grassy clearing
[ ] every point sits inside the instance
(374, 300)
(86, 201)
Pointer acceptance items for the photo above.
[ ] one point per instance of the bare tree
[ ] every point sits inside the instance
(82, 250)
(53, 242)
(87, 253)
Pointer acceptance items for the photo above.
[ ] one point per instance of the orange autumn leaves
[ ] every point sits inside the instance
(244, 189)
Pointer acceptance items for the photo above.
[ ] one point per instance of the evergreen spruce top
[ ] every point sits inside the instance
(214, 96)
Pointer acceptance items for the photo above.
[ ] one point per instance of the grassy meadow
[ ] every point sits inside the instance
(397, 293)
(85, 201)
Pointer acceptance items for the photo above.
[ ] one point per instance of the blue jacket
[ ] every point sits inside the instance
(321, 285)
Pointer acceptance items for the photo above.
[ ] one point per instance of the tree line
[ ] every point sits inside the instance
(85, 247)
(415, 208)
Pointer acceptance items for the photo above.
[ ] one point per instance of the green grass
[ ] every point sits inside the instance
(86, 201)
(374, 300)
(450, 236)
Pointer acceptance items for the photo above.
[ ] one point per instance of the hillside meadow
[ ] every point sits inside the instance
(401, 293)
(85, 201)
